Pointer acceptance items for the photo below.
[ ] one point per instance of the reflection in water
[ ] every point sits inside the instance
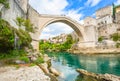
(67, 64)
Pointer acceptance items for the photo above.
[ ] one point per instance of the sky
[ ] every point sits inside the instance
(76, 9)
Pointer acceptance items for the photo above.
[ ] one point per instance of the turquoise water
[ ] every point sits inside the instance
(68, 63)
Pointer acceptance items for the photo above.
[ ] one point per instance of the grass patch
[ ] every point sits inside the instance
(39, 60)
(25, 59)
(12, 54)
(32, 64)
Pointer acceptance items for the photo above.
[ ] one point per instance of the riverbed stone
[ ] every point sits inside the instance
(23, 74)
(44, 67)
(19, 62)
(54, 71)
(99, 77)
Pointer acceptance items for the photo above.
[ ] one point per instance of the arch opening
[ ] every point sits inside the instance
(44, 21)
(66, 22)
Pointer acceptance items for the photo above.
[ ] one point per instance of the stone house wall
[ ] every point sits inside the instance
(108, 10)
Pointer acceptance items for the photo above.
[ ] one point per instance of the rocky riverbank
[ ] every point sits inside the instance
(92, 51)
(33, 73)
(41, 71)
(88, 76)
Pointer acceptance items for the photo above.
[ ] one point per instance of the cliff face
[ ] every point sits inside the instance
(23, 4)
(16, 10)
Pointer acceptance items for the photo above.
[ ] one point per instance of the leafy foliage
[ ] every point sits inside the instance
(28, 26)
(100, 39)
(6, 36)
(115, 36)
(46, 46)
(19, 21)
(118, 45)
(25, 59)
(5, 3)
(68, 42)
(12, 54)
(39, 60)
(24, 37)
(25, 22)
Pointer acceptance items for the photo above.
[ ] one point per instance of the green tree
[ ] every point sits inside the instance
(20, 21)
(28, 26)
(69, 42)
(114, 11)
(24, 37)
(115, 37)
(5, 3)
(45, 46)
(6, 36)
(100, 39)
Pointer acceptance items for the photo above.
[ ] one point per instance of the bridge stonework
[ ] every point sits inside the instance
(40, 21)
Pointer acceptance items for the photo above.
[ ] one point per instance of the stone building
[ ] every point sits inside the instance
(58, 39)
(118, 9)
(104, 25)
(118, 14)
(90, 28)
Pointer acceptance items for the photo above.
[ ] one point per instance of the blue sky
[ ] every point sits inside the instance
(76, 9)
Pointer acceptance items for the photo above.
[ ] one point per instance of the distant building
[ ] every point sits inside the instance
(105, 24)
(58, 39)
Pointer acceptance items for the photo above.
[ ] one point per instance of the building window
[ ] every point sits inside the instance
(101, 22)
(98, 24)
(105, 22)
(87, 22)
(106, 32)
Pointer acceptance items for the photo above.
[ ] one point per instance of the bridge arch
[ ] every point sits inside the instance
(73, 24)
(40, 21)
(43, 21)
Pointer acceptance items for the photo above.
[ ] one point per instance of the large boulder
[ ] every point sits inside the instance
(54, 71)
(44, 67)
(99, 77)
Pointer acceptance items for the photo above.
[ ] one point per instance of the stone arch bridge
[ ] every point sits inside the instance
(21, 8)
(40, 21)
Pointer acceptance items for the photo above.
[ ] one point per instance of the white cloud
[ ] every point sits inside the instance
(58, 29)
(46, 36)
(74, 14)
(92, 2)
(49, 6)
(117, 2)
(47, 30)
(81, 22)
(56, 7)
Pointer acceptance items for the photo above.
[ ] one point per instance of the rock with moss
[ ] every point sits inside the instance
(98, 77)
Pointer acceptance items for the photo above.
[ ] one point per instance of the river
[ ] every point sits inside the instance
(67, 64)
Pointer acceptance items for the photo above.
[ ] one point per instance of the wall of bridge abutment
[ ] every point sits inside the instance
(35, 45)
(41, 21)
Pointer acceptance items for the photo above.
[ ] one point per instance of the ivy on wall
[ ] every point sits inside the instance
(26, 23)
(5, 3)
(6, 36)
